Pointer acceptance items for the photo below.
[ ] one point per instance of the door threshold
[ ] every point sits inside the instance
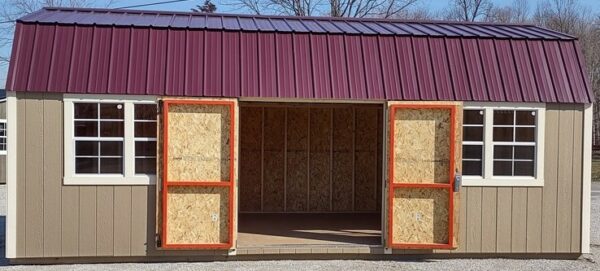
(311, 249)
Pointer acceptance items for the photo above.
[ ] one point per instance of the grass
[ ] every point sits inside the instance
(596, 170)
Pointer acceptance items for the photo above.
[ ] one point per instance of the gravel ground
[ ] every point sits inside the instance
(587, 262)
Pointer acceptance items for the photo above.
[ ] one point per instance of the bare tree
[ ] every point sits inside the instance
(517, 12)
(469, 10)
(11, 10)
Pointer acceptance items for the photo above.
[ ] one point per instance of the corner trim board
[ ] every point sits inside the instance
(586, 188)
(11, 180)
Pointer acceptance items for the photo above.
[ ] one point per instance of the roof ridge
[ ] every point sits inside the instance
(318, 18)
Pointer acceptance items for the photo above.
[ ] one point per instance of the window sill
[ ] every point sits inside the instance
(108, 180)
(502, 181)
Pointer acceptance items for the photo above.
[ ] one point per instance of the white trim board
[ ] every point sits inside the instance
(11, 180)
(586, 188)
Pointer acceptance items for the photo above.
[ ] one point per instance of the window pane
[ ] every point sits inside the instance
(86, 165)
(145, 148)
(503, 134)
(525, 134)
(526, 117)
(503, 152)
(145, 165)
(111, 165)
(526, 152)
(145, 129)
(472, 168)
(145, 111)
(503, 117)
(86, 110)
(473, 133)
(111, 148)
(86, 148)
(111, 111)
(473, 117)
(111, 129)
(523, 168)
(86, 128)
(502, 168)
(472, 152)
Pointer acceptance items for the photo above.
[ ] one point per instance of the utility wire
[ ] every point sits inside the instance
(152, 4)
(7, 22)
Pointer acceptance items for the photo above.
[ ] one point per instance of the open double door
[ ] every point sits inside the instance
(198, 164)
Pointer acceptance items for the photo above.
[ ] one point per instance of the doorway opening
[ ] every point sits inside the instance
(310, 174)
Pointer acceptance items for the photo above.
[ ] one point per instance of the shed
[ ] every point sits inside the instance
(161, 135)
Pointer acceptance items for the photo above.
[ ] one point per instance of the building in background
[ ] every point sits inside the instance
(3, 128)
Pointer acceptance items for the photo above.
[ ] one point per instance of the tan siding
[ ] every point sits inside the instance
(55, 220)
(53, 172)
(2, 169)
(3, 110)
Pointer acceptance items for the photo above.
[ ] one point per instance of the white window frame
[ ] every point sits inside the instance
(488, 179)
(128, 177)
(3, 152)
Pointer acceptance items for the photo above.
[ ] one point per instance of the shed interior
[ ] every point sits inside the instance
(310, 174)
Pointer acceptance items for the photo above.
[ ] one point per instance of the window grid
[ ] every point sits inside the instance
(476, 143)
(3, 137)
(514, 143)
(140, 158)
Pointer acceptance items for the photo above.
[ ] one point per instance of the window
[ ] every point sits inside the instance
(110, 141)
(503, 145)
(2, 137)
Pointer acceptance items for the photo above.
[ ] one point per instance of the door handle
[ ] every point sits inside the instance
(457, 182)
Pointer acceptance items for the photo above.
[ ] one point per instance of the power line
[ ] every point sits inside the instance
(152, 4)
(7, 22)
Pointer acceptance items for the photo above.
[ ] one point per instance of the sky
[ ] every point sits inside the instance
(224, 6)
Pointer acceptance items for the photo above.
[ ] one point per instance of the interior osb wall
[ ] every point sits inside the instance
(421, 150)
(310, 158)
(199, 150)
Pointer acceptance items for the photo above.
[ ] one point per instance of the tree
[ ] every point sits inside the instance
(11, 10)
(207, 7)
(469, 10)
(517, 12)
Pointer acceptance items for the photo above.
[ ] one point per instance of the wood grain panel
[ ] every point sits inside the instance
(104, 217)
(534, 219)
(320, 160)
(519, 220)
(473, 214)
(87, 221)
(34, 176)
(122, 221)
(70, 221)
(577, 180)
(139, 218)
(489, 205)
(273, 159)
(52, 175)
(550, 180)
(565, 182)
(296, 179)
(504, 219)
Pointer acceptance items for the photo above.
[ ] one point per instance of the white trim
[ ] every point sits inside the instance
(586, 197)
(11, 180)
(129, 177)
(488, 179)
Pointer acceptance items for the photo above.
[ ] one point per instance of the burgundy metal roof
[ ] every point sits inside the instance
(187, 54)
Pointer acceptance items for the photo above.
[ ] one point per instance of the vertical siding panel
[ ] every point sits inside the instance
(194, 63)
(462, 228)
(422, 56)
(565, 182)
(157, 62)
(550, 179)
(231, 64)
(139, 218)
(122, 221)
(119, 60)
(339, 69)
(356, 68)
(21, 176)
(320, 63)
(34, 178)
(104, 219)
(303, 71)
(488, 219)
(406, 61)
(80, 60)
(534, 219)
(249, 63)
(391, 74)
(101, 54)
(70, 221)
(267, 66)
(176, 59)
(213, 55)
(504, 220)
(519, 220)
(61, 59)
(473, 225)
(138, 61)
(373, 73)
(53, 165)
(87, 221)
(285, 66)
(577, 180)
(38, 76)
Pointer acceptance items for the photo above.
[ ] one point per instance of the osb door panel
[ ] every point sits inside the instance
(424, 155)
(198, 174)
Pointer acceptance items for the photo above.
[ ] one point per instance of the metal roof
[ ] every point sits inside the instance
(101, 52)
(286, 24)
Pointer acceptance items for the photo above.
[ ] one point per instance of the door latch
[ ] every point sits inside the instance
(457, 182)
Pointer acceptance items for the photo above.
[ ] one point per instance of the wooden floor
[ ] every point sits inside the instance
(261, 230)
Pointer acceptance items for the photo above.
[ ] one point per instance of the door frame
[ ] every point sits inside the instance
(392, 186)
